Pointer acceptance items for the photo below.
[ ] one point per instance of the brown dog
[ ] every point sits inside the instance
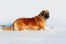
(35, 23)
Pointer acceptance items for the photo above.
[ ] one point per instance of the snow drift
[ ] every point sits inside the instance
(49, 36)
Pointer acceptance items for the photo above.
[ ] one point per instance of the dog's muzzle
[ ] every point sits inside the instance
(46, 16)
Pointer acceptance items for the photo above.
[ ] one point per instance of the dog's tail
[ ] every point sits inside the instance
(7, 28)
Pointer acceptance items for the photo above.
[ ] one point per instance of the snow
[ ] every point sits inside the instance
(52, 35)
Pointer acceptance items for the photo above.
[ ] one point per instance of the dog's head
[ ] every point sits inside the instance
(44, 14)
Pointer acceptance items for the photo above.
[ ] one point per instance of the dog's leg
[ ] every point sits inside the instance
(42, 26)
(22, 28)
(16, 28)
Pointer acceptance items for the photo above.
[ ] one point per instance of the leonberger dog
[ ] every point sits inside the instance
(35, 23)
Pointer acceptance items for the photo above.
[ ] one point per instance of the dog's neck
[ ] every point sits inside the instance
(42, 17)
(39, 18)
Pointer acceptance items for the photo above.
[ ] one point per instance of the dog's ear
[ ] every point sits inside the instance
(42, 13)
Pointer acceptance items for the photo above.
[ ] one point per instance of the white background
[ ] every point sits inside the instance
(10, 10)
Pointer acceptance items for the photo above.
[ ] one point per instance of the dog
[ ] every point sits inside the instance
(35, 23)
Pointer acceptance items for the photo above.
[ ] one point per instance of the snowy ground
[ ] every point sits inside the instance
(52, 36)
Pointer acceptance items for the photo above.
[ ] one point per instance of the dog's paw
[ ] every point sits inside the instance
(50, 28)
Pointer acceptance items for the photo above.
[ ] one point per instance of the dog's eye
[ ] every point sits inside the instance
(42, 14)
(44, 11)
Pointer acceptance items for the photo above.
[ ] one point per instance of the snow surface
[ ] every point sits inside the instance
(52, 35)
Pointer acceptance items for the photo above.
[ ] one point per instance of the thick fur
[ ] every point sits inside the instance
(34, 23)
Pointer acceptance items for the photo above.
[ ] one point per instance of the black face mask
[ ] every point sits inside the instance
(46, 15)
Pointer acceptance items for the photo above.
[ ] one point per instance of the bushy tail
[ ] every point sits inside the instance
(7, 28)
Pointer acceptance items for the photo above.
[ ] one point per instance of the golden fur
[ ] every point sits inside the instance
(34, 23)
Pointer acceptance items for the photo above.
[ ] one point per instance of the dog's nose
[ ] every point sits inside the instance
(46, 16)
